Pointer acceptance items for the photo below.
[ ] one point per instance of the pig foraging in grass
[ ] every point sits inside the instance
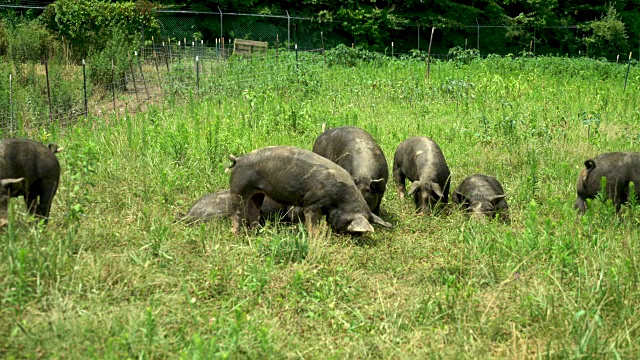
(29, 169)
(357, 152)
(420, 160)
(298, 177)
(619, 168)
(218, 205)
(483, 196)
(210, 206)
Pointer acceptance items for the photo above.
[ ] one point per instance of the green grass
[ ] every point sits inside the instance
(114, 276)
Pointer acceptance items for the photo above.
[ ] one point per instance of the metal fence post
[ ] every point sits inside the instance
(133, 77)
(220, 21)
(288, 30)
(144, 82)
(478, 41)
(113, 85)
(10, 103)
(46, 72)
(155, 58)
(324, 57)
(197, 78)
(627, 75)
(84, 88)
(433, 29)
(418, 37)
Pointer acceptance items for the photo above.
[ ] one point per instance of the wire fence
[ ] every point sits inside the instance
(306, 32)
(36, 95)
(191, 57)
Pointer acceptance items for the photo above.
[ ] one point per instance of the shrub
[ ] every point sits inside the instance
(458, 54)
(342, 55)
(3, 38)
(28, 42)
(99, 62)
(88, 24)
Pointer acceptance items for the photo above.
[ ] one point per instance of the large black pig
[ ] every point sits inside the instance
(619, 168)
(357, 152)
(29, 169)
(298, 177)
(420, 160)
(482, 196)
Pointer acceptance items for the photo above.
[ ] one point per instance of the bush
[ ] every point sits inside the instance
(458, 54)
(342, 55)
(99, 62)
(88, 24)
(28, 42)
(3, 38)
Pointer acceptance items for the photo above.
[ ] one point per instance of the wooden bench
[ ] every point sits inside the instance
(249, 47)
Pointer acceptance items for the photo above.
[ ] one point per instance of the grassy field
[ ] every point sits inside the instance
(115, 276)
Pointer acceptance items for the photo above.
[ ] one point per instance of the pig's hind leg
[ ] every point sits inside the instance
(399, 178)
(44, 204)
(252, 210)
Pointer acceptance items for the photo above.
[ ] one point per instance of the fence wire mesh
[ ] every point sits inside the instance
(190, 56)
(166, 72)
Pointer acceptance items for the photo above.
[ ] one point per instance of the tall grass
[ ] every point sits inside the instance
(113, 275)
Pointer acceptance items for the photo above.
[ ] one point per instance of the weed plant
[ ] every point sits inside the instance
(115, 276)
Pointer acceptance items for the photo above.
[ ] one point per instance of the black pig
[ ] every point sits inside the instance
(210, 206)
(357, 152)
(420, 160)
(482, 195)
(29, 169)
(298, 177)
(619, 169)
(218, 205)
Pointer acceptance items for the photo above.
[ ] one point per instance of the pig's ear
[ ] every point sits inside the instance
(377, 185)
(414, 187)
(494, 199)
(437, 189)
(13, 185)
(359, 225)
(379, 221)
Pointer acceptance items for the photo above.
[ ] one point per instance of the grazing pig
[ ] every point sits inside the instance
(355, 150)
(218, 205)
(619, 169)
(482, 195)
(29, 169)
(421, 161)
(298, 177)
(210, 206)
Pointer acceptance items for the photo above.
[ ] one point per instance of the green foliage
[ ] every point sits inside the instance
(346, 56)
(370, 26)
(100, 61)
(607, 35)
(28, 42)
(460, 55)
(3, 37)
(89, 24)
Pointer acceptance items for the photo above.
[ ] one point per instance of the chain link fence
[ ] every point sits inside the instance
(310, 33)
(187, 57)
(284, 30)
